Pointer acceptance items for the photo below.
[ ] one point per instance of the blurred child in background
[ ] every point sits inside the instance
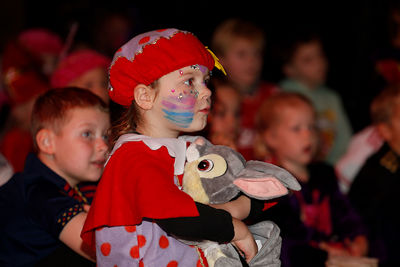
(85, 69)
(45, 46)
(305, 67)
(318, 220)
(374, 191)
(240, 47)
(44, 211)
(224, 119)
(27, 61)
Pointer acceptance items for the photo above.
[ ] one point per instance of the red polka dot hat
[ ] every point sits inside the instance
(151, 55)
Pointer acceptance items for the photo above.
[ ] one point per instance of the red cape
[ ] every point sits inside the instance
(137, 183)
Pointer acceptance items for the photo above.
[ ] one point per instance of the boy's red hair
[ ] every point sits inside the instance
(51, 108)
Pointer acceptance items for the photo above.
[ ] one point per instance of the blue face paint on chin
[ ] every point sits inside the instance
(179, 111)
(181, 119)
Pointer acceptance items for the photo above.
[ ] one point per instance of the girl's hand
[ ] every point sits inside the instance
(244, 240)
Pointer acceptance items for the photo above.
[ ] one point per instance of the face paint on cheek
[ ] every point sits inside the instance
(179, 111)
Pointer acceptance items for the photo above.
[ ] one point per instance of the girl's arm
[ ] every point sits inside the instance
(212, 224)
(243, 207)
(238, 208)
(70, 235)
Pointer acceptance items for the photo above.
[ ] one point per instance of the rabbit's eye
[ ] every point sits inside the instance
(211, 166)
(205, 165)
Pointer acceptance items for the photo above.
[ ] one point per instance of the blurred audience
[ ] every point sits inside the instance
(111, 31)
(385, 70)
(27, 61)
(375, 187)
(240, 46)
(317, 222)
(83, 68)
(305, 67)
(224, 119)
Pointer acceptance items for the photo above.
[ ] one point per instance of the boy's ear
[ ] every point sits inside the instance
(144, 96)
(45, 141)
(384, 131)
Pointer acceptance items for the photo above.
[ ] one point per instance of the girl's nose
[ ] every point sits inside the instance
(205, 93)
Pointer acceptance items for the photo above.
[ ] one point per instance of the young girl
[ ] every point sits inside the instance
(139, 209)
(318, 220)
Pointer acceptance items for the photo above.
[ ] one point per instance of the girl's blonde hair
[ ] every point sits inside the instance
(268, 113)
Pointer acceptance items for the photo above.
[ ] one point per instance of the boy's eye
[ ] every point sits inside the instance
(87, 134)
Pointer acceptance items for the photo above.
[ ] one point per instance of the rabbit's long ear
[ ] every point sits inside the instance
(270, 170)
(261, 188)
(265, 181)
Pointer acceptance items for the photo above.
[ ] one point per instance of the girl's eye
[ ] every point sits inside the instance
(205, 165)
(105, 137)
(189, 82)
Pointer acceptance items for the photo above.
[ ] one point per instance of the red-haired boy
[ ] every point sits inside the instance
(43, 206)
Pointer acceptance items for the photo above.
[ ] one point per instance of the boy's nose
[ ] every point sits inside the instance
(102, 145)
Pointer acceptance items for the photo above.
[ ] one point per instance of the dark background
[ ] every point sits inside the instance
(352, 31)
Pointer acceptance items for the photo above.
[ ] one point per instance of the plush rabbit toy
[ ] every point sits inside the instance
(216, 174)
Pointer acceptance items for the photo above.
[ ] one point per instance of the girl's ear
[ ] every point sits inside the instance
(144, 96)
(45, 141)
(269, 138)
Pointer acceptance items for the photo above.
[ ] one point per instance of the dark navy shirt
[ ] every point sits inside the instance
(35, 206)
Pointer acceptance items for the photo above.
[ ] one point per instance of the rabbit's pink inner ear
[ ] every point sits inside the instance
(267, 187)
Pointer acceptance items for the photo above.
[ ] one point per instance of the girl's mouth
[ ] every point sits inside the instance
(307, 149)
(205, 110)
